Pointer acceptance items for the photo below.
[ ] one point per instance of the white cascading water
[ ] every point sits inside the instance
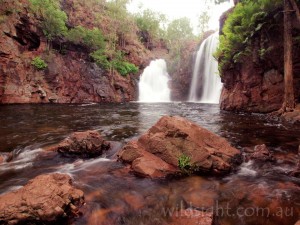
(153, 85)
(206, 83)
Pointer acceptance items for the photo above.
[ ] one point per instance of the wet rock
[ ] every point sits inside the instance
(85, 144)
(157, 152)
(262, 153)
(198, 192)
(144, 163)
(191, 217)
(6, 157)
(292, 117)
(296, 171)
(45, 199)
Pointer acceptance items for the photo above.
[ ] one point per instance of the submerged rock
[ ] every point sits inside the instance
(44, 199)
(157, 153)
(86, 144)
(261, 153)
(292, 117)
(296, 171)
(191, 217)
(6, 157)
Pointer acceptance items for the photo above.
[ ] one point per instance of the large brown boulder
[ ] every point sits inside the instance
(156, 153)
(44, 199)
(87, 144)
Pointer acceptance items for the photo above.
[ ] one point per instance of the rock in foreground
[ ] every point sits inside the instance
(156, 153)
(44, 199)
(192, 217)
(85, 144)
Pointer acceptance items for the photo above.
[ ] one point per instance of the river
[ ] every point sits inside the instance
(114, 196)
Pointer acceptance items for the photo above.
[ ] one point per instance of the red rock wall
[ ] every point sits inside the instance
(70, 77)
(256, 83)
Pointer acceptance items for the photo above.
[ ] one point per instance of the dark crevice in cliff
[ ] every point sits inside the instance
(17, 39)
(25, 37)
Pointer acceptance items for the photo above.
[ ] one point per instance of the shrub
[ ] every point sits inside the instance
(91, 38)
(117, 63)
(184, 163)
(39, 63)
(101, 59)
(248, 18)
(124, 67)
(53, 18)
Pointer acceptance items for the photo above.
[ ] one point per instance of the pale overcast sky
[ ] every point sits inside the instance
(183, 8)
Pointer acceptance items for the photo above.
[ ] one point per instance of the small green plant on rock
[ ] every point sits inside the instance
(184, 163)
(39, 63)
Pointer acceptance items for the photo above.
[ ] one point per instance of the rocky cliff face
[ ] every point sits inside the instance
(70, 77)
(181, 71)
(256, 84)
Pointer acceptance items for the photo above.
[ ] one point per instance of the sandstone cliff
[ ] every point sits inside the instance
(256, 83)
(71, 76)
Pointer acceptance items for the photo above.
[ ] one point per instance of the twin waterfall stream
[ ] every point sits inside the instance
(206, 83)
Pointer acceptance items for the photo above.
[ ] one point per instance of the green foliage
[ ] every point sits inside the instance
(101, 59)
(118, 63)
(39, 63)
(151, 22)
(121, 22)
(203, 20)
(91, 38)
(184, 163)
(180, 29)
(124, 67)
(248, 18)
(52, 17)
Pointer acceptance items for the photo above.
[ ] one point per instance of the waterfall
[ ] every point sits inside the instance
(206, 83)
(153, 85)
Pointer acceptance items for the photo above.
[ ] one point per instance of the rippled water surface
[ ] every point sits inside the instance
(115, 197)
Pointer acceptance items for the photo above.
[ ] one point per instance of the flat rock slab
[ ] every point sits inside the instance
(44, 199)
(156, 153)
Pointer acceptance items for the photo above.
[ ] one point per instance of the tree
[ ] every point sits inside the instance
(289, 98)
(150, 23)
(203, 20)
(53, 19)
(180, 29)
